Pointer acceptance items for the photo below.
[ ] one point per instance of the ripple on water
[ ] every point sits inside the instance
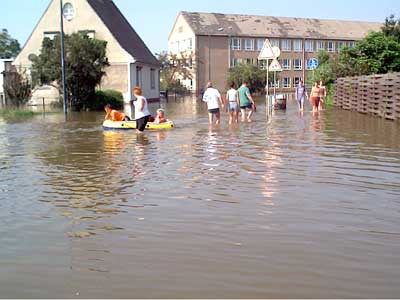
(301, 206)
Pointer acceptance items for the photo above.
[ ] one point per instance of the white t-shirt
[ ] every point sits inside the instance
(141, 114)
(232, 95)
(211, 96)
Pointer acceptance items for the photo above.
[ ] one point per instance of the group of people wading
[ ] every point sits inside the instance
(237, 100)
(317, 97)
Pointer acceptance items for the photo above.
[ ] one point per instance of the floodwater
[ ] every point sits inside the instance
(289, 206)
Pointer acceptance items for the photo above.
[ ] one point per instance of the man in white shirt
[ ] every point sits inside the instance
(213, 99)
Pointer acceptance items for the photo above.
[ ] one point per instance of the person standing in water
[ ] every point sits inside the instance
(301, 94)
(232, 99)
(142, 113)
(213, 99)
(322, 95)
(315, 96)
(246, 102)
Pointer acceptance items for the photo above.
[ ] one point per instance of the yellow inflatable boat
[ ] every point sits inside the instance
(126, 125)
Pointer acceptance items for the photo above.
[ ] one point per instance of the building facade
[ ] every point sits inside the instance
(131, 62)
(218, 42)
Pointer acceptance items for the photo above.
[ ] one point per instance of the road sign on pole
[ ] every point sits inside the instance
(266, 51)
(312, 63)
(275, 66)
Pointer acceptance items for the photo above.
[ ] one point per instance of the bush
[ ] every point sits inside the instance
(104, 97)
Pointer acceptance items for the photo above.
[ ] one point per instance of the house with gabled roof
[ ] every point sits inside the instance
(131, 62)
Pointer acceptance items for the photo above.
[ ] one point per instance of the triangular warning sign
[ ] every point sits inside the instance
(275, 66)
(266, 52)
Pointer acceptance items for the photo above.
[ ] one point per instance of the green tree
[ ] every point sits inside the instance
(17, 87)
(392, 27)
(250, 73)
(9, 47)
(85, 62)
(175, 67)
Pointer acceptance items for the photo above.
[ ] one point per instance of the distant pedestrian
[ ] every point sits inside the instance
(322, 94)
(213, 99)
(142, 113)
(232, 99)
(301, 95)
(315, 96)
(246, 102)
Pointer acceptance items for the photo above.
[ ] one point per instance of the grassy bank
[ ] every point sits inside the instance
(17, 113)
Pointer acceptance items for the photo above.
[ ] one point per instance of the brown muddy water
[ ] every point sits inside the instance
(288, 206)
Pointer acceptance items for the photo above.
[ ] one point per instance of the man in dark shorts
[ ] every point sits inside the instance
(246, 102)
(213, 99)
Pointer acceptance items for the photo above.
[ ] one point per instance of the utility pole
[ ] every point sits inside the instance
(63, 72)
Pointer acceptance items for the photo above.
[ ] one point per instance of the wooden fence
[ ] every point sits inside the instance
(378, 95)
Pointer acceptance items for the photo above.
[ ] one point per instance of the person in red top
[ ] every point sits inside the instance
(114, 115)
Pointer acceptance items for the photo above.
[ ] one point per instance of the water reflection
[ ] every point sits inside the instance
(172, 213)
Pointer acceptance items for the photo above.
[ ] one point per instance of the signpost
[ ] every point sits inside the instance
(63, 72)
(268, 52)
(312, 65)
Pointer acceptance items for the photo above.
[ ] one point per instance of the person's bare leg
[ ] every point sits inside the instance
(250, 115)
(210, 118)
(237, 117)
(218, 117)
(230, 118)
(243, 115)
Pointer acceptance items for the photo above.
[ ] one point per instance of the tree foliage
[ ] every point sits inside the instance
(17, 87)
(250, 73)
(392, 27)
(377, 53)
(175, 67)
(85, 63)
(9, 47)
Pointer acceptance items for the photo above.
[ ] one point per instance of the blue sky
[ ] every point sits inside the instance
(154, 19)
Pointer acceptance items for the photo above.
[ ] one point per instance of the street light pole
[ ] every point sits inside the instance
(63, 71)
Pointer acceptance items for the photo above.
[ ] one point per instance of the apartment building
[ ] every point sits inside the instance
(217, 42)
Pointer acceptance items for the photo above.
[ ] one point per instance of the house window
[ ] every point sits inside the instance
(51, 34)
(296, 81)
(341, 45)
(298, 45)
(286, 82)
(249, 44)
(297, 64)
(262, 64)
(274, 43)
(350, 45)
(139, 76)
(89, 33)
(331, 46)
(235, 62)
(320, 45)
(235, 44)
(309, 46)
(286, 45)
(190, 44)
(285, 64)
(272, 84)
(152, 79)
(260, 44)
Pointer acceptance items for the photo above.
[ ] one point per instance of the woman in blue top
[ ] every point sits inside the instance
(301, 94)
